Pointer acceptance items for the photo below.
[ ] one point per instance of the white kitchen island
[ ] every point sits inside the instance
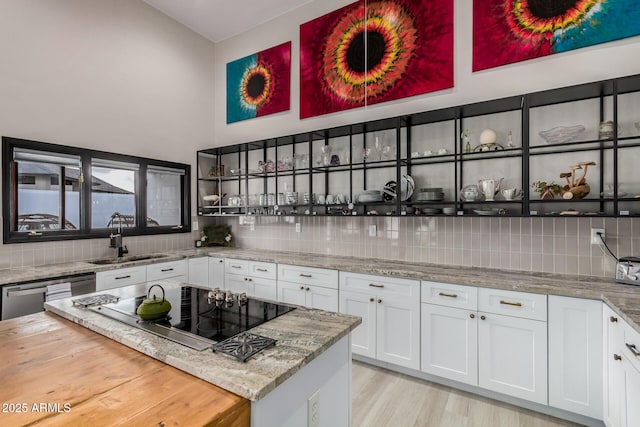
(305, 379)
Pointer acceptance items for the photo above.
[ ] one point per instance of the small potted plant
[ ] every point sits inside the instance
(546, 190)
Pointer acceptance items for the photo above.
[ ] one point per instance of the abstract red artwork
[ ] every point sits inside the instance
(372, 52)
(507, 31)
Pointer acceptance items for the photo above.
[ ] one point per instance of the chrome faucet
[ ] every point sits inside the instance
(115, 239)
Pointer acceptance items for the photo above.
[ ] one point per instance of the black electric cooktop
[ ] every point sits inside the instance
(210, 314)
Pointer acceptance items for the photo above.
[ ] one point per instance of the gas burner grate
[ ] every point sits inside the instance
(95, 300)
(244, 345)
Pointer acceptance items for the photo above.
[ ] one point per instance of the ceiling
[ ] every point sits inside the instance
(220, 19)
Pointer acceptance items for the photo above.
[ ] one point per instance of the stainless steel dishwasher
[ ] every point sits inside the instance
(19, 299)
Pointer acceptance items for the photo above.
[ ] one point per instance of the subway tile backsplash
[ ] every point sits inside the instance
(24, 255)
(550, 245)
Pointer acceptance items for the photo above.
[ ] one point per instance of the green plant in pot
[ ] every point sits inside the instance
(153, 308)
(216, 235)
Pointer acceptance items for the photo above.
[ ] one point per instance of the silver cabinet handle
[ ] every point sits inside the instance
(613, 319)
(236, 266)
(442, 294)
(616, 357)
(376, 286)
(123, 277)
(20, 292)
(514, 304)
(633, 349)
(164, 270)
(264, 270)
(308, 276)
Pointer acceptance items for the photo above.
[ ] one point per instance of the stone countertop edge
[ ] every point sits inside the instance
(302, 335)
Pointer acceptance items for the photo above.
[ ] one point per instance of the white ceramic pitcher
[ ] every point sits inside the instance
(489, 187)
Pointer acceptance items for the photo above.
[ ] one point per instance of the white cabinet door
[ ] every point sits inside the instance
(631, 415)
(236, 283)
(216, 273)
(263, 288)
(199, 271)
(363, 338)
(575, 355)
(614, 397)
(512, 356)
(398, 331)
(449, 343)
(321, 298)
(291, 293)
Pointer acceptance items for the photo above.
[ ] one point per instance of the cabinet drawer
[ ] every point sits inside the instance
(266, 270)
(236, 266)
(380, 285)
(450, 295)
(120, 277)
(631, 345)
(167, 270)
(512, 303)
(308, 275)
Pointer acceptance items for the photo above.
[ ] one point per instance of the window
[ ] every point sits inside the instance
(164, 206)
(113, 189)
(42, 204)
(46, 197)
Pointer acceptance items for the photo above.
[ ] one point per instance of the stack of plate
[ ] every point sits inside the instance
(431, 211)
(430, 195)
(369, 196)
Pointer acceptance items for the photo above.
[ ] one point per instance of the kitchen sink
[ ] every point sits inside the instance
(108, 261)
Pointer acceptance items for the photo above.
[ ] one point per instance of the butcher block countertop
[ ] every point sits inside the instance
(54, 372)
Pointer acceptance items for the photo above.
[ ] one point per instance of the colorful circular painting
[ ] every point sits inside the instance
(259, 84)
(507, 31)
(365, 54)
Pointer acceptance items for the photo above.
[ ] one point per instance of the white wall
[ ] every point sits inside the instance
(594, 63)
(111, 75)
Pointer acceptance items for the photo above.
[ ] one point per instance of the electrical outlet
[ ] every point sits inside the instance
(595, 239)
(373, 230)
(194, 225)
(298, 227)
(313, 410)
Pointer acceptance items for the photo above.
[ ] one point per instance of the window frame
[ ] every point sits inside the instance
(85, 231)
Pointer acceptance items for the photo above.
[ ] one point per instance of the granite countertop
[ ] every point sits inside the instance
(624, 299)
(13, 275)
(302, 335)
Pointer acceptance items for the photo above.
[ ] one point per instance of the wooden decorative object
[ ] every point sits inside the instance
(576, 188)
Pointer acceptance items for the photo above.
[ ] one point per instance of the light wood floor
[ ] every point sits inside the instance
(383, 398)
